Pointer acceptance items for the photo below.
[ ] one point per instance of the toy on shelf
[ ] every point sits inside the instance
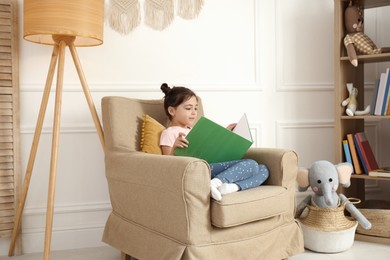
(351, 103)
(325, 227)
(355, 40)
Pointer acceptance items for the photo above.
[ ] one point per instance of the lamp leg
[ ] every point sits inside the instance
(87, 93)
(54, 150)
(33, 151)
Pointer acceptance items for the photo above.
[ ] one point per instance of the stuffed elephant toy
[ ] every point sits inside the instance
(324, 178)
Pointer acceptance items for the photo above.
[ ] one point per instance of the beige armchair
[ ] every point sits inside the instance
(161, 206)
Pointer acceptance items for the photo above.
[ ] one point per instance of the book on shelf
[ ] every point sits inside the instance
(347, 152)
(381, 95)
(386, 107)
(365, 152)
(360, 155)
(386, 94)
(214, 143)
(374, 97)
(354, 155)
(381, 92)
(381, 172)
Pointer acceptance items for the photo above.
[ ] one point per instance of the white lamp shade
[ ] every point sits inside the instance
(82, 19)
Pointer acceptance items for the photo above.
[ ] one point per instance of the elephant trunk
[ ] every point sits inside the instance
(327, 191)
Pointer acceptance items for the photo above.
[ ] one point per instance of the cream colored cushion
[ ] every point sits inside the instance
(150, 136)
(250, 205)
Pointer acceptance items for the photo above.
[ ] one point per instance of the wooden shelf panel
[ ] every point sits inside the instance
(375, 3)
(383, 57)
(364, 117)
(371, 3)
(366, 177)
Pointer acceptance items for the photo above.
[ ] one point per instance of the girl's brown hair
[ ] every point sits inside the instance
(175, 96)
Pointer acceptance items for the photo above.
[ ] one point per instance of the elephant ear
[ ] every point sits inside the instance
(345, 171)
(303, 179)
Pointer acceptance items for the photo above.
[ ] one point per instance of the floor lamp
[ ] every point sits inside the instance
(61, 23)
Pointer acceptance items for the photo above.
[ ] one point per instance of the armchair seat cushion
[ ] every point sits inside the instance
(249, 205)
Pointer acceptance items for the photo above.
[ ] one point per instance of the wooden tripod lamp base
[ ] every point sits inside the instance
(61, 23)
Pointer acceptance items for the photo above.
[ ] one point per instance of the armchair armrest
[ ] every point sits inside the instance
(283, 169)
(282, 165)
(165, 194)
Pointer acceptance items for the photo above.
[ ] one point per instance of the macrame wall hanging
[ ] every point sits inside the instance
(125, 15)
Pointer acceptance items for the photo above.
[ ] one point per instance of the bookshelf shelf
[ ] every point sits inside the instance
(345, 73)
(373, 3)
(370, 58)
(364, 117)
(366, 177)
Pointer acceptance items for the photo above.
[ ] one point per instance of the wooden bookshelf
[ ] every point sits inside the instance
(344, 73)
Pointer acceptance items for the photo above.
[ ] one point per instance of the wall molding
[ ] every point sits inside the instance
(86, 231)
(69, 208)
(64, 239)
(298, 124)
(66, 129)
(281, 85)
(304, 87)
(144, 87)
(305, 124)
(255, 130)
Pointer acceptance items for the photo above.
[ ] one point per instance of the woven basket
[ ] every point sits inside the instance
(327, 219)
(378, 213)
(327, 230)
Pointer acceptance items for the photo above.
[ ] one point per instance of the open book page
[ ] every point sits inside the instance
(242, 128)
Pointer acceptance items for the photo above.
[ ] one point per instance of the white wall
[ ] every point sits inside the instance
(270, 59)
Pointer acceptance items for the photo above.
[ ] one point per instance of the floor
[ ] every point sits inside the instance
(359, 251)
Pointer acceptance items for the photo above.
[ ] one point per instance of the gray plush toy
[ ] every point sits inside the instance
(324, 178)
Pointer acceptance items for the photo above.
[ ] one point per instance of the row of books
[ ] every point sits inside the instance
(358, 152)
(380, 101)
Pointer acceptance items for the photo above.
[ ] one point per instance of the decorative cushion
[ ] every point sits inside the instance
(150, 135)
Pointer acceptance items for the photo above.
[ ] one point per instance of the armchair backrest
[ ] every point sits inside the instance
(122, 120)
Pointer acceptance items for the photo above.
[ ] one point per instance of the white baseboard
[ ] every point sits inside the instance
(84, 237)
(74, 227)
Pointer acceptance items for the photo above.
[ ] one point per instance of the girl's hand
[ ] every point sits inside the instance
(231, 126)
(181, 141)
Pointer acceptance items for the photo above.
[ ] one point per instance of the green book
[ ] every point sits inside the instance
(214, 143)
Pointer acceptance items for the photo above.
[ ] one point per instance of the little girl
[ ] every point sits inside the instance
(181, 105)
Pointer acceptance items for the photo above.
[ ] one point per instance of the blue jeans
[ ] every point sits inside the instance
(245, 173)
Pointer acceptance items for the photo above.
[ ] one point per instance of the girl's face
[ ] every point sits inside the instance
(185, 114)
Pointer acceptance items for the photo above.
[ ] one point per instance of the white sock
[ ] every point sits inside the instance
(227, 188)
(215, 193)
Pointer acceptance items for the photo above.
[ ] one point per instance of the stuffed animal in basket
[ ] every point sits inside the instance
(324, 178)
(355, 40)
(351, 102)
(325, 227)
